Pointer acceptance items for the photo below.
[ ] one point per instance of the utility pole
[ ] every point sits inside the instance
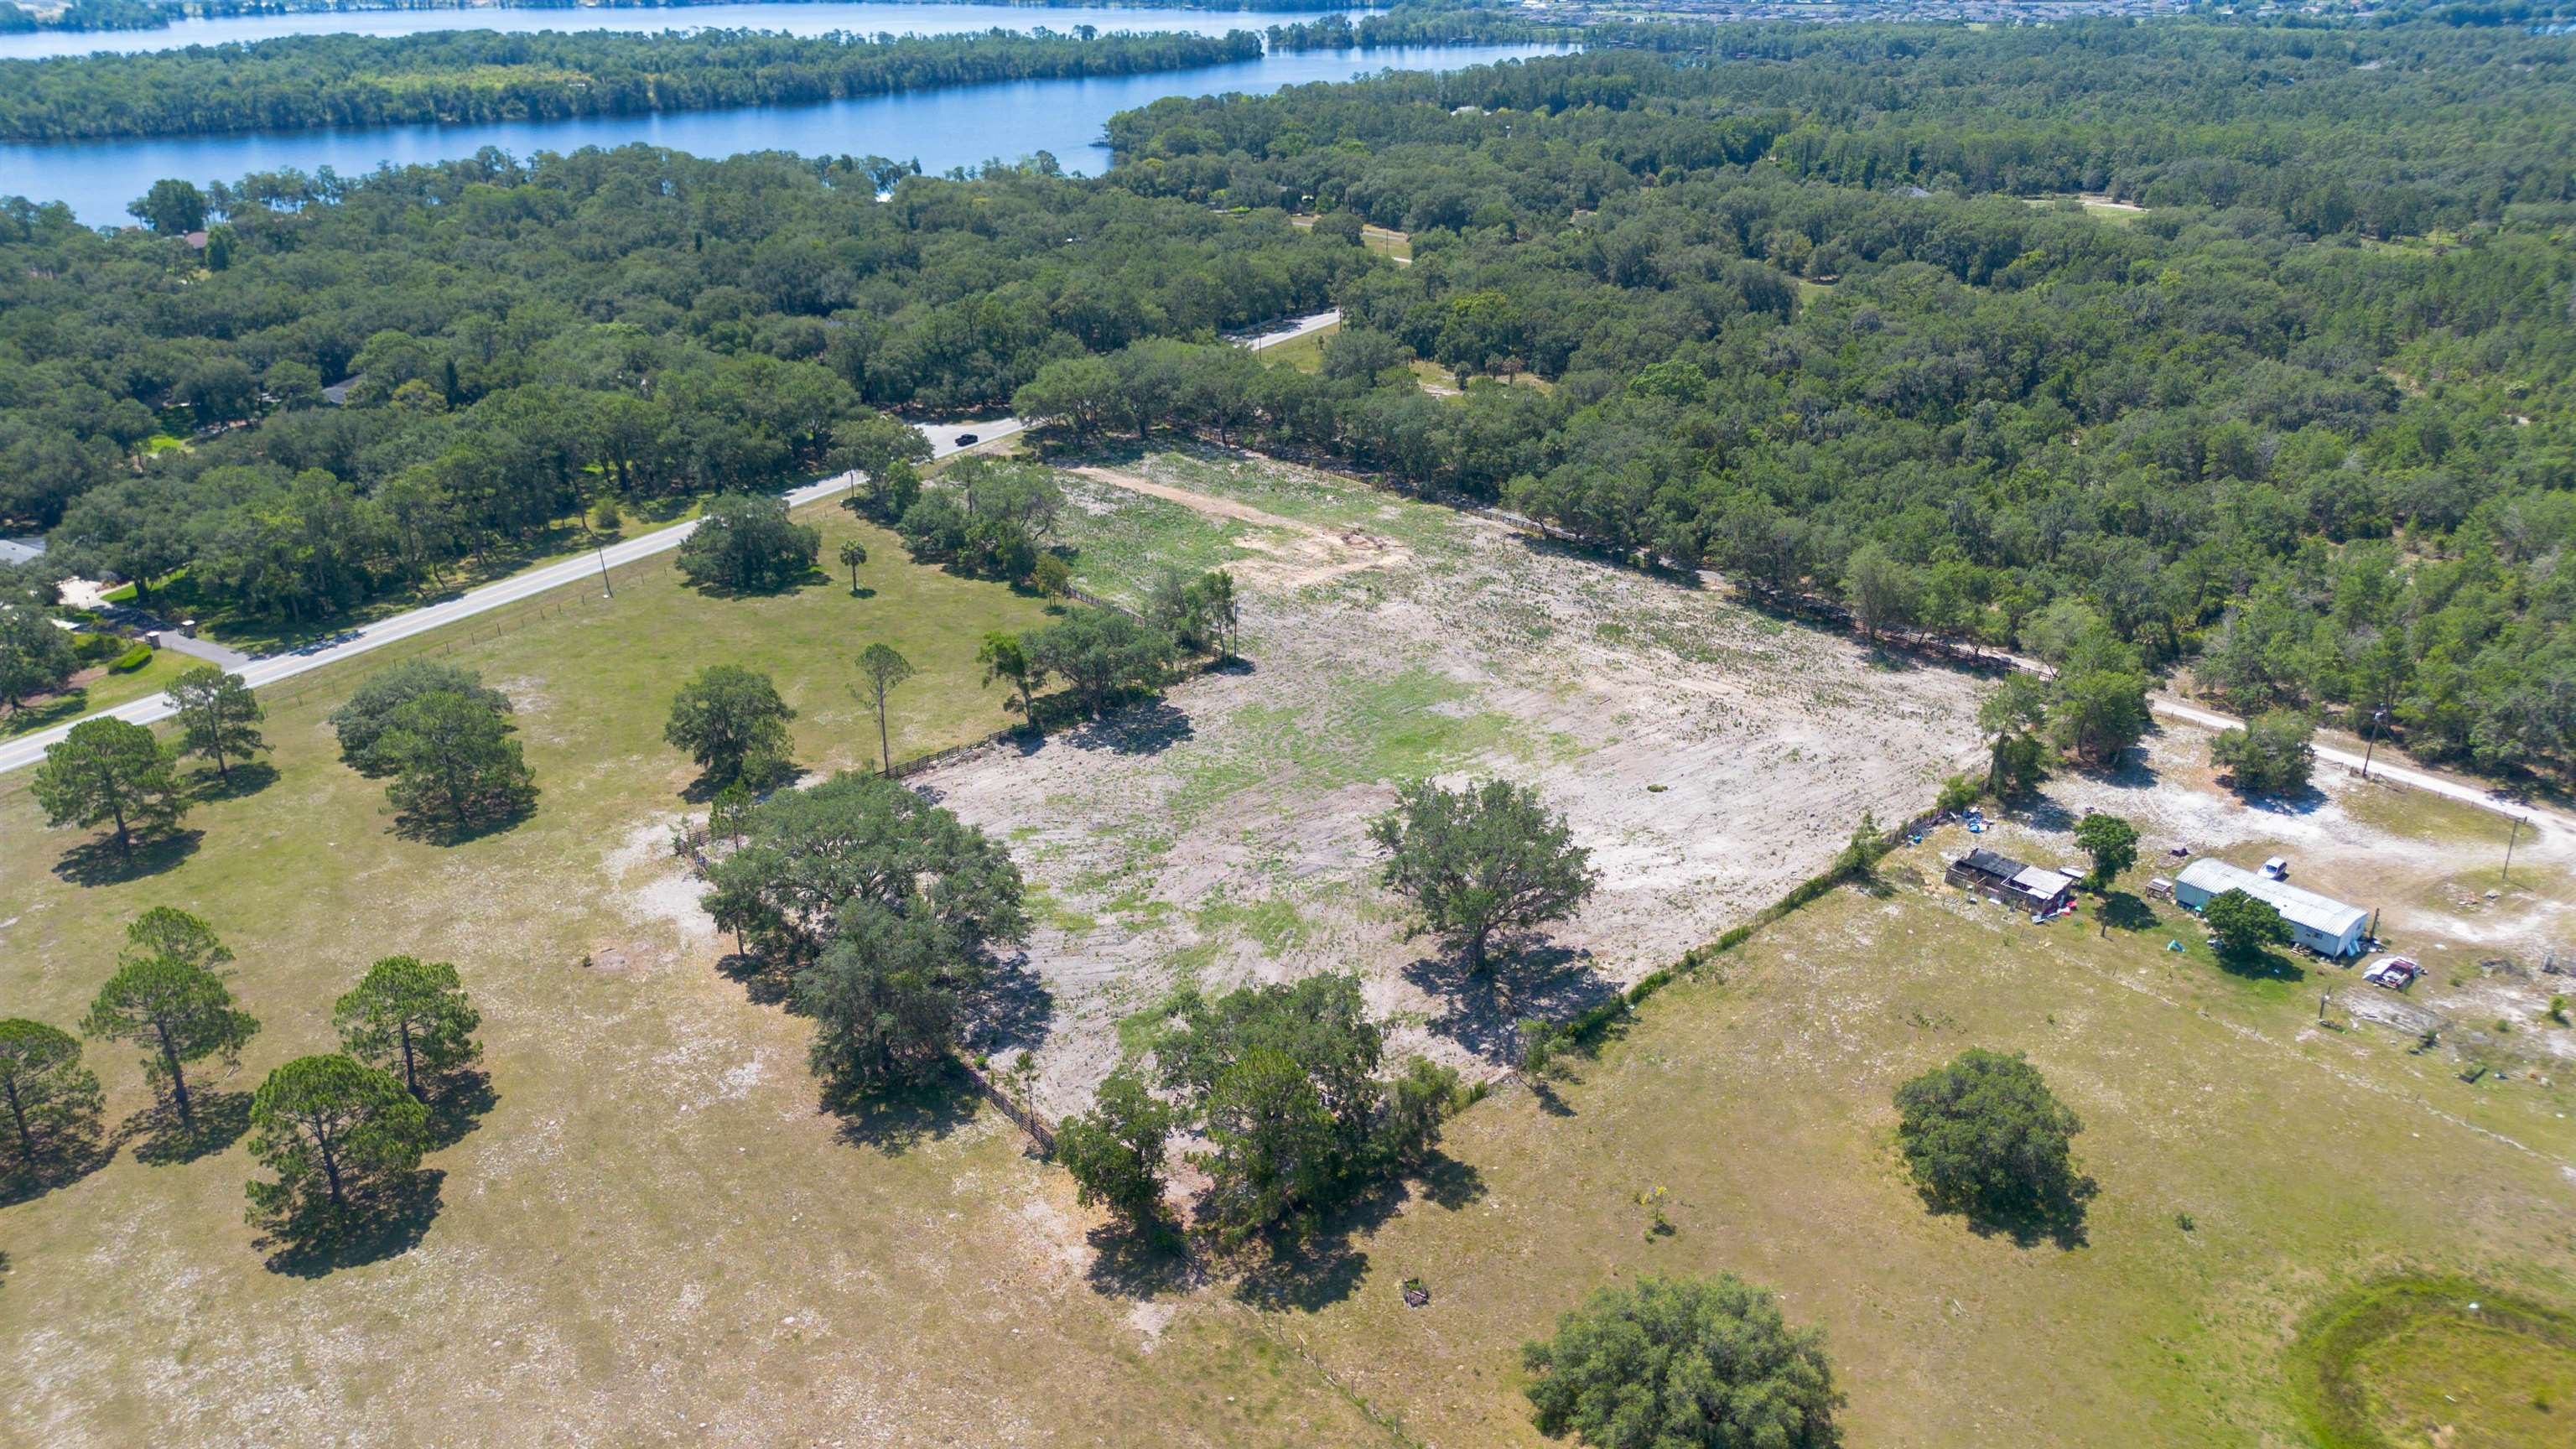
(2506, 874)
(607, 589)
(2376, 716)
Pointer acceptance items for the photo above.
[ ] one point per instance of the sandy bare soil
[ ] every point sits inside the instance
(1707, 756)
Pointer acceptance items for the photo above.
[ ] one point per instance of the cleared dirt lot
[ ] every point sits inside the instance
(1707, 755)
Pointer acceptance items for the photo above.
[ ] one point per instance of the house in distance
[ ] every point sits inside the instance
(2007, 881)
(2320, 923)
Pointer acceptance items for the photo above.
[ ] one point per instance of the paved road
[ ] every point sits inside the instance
(945, 439)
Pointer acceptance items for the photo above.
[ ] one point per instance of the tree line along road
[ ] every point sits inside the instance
(944, 441)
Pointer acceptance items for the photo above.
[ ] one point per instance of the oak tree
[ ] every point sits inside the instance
(1480, 860)
(733, 723)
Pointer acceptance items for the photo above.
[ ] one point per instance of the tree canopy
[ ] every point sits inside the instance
(409, 1016)
(107, 770)
(2244, 925)
(336, 1135)
(2270, 754)
(456, 769)
(1487, 858)
(1283, 1082)
(51, 1099)
(810, 855)
(1683, 1363)
(362, 721)
(180, 1012)
(748, 544)
(733, 724)
(1984, 1135)
(219, 717)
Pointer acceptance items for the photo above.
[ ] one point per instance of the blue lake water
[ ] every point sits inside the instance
(965, 126)
(796, 19)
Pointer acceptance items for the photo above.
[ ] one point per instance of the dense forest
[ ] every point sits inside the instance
(519, 338)
(2286, 404)
(462, 76)
(89, 15)
(2303, 420)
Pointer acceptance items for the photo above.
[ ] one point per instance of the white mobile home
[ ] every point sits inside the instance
(2320, 923)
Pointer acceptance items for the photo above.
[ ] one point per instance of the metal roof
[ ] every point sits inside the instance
(1993, 863)
(2300, 907)
(2038, 881)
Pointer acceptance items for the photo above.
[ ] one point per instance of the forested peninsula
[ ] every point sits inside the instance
(2284, 397)
(466, 76)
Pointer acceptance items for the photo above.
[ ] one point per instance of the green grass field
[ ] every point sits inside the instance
(1306, 354)
(2306, 1163)
(105, 690)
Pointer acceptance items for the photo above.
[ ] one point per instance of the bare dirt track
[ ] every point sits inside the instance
(1709, 757)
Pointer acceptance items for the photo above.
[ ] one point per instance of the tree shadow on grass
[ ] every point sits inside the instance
(247, 778)
(895, 1119)
(2303, 800)
(2057, 1218)
(458, 1106)
(1549, 1099)
(222, 1117)
(2040, 812)
(441, 830)
(1449, 1183)
(96, 863)
(785, 775)
(2122, 911)
(1306, 1277)
(1283, 1271)
(2260, 965)
(388, 1226)
(1143, 1264)
(53, 710)
(1482, 1010)
(711, 589)
(59, 1163)
(762, 983)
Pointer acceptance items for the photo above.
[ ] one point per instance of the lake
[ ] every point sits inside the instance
(817, 19)
(965, 126)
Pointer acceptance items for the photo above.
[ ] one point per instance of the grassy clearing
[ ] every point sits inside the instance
(2442, 1361)
(2423, 815)
(102, 688)
(2305, 1161)
(600, 1265)
(1306, 353)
